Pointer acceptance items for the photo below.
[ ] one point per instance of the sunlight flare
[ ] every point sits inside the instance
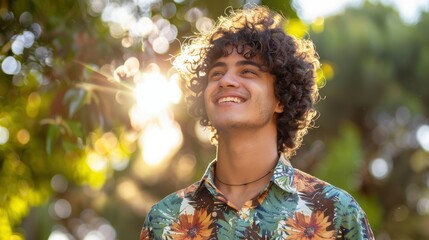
(161, 136)
(161, 141)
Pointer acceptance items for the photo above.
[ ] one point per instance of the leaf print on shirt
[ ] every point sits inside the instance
(275, 208)
(192, 226)
(313, 193)
(304, 183)
(313, 227)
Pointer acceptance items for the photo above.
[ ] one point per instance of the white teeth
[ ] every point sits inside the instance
(229, 99)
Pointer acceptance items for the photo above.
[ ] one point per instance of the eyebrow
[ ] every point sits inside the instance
(239, 63)
(248, 62)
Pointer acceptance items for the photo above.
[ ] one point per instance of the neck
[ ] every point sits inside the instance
(247, 157)
(244, 157)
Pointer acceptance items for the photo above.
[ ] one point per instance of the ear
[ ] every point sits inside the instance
(279, 107)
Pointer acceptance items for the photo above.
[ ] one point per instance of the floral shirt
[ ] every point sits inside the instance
(294, 205)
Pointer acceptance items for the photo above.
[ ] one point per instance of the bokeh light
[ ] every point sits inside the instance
(144, 27)
(169, 10)
(127, 189)
(380, 168)
(59, 183)
(423, 206)
(26, 19)
(44, 55)
(94, 235)
(4, 135)
(97, 162)
(296, 28)
(204, 24)
(10, 65)
(131, 66)
(118, 159)
(160, 45)
(318, 25)
(423, 137)
(33, 104)
(127, 23)
(18, 46)
(23, 136)
(96, 6)
(37, 29)
(88, 226)
(193, 14)
(138, 200)
(59, 235)
(105, 143)
(62, 208)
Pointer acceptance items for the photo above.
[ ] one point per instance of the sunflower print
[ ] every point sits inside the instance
(192, 226)
(313, 227)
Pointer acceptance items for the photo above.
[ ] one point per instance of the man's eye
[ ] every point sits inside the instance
(215, 75)
(248, 72)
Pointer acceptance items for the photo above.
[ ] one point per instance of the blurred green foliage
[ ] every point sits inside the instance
(374, 105)
(72, 156)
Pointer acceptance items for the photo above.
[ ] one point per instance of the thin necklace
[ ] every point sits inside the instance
(242, 184)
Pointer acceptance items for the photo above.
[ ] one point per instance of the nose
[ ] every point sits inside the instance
(228, 80)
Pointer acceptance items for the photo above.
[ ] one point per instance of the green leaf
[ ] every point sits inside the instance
(53, 134)
(75, 98)
(70, 147)
(75, 127)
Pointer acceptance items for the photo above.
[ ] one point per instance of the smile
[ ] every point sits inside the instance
(230, 99)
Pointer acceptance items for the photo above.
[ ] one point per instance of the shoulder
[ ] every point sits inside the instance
(319, 191)
(306, 183)
(170, 205)
(165, 212)
(335, 203)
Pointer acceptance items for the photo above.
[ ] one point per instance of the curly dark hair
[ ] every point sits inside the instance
(257, 31)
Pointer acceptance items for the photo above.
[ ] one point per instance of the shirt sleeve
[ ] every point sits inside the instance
(147, 232)
(354, 223)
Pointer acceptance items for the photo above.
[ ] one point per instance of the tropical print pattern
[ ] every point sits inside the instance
(294, 205)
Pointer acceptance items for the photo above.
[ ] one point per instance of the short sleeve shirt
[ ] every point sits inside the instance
(294, 205)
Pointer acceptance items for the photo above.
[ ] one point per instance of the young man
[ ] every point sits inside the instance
(253, 86)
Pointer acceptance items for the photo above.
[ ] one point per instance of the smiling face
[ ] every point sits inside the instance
(240, 94)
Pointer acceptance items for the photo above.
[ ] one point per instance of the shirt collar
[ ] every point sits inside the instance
(207, 179)
(282, 176)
